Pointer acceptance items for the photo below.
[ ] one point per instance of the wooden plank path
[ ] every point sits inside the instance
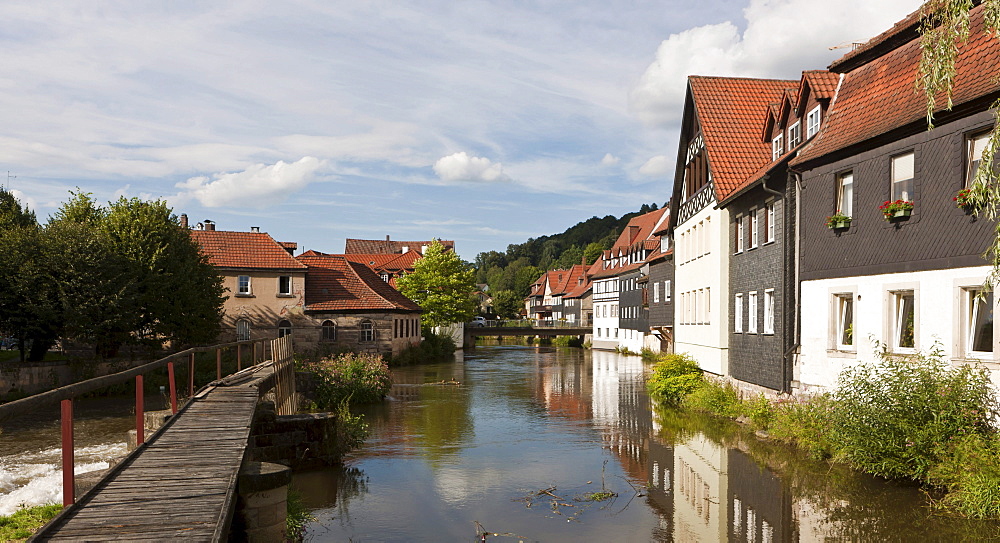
(181, 485)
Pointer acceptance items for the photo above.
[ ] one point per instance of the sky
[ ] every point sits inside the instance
(481, 122)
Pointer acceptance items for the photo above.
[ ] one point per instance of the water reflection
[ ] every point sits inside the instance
(521, 420)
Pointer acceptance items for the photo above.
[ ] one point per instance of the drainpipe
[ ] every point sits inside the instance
(797, 316)
(763, 185)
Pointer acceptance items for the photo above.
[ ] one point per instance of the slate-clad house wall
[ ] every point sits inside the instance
(756, 350)
(632, 316)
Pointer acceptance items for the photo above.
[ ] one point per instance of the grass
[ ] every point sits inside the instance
(26, 521)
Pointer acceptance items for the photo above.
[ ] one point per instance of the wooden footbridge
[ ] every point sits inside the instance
(181, 483)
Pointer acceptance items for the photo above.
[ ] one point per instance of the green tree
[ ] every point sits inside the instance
(507, 304)
(944, 29)
(592, 252)
(442, 285)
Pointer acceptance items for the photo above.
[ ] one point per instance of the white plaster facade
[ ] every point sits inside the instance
(701, 288)
(606, 313)
(943, 314)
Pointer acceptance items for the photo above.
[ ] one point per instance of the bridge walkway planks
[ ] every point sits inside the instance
(180, 486)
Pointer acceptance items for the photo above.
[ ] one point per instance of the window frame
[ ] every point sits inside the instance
(754, 229)
(366, 331)
(768, 311)
(283, 278)
(328, 331)
(738, 313)
(752, 312)
(814, 120)
(970, 151)
(896, 326)
(666, 291)
(910, 181)
(972, 307)
(796, 129)
(740, 233)
(841, 185)
(241, 289)
(777, 146)
(284, 328)
(769, 227)
(844, 301)
(243, 330)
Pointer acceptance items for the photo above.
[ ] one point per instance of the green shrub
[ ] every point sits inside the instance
(674, 377)
(433, 348)
(357, 378)
(722, 400)
(804, 423)
(894, 417)
(568, 341)
(970, 472)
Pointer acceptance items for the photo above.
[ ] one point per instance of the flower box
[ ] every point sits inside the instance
(897, 210)
(838, 221)
(839, 225)
(902, 213)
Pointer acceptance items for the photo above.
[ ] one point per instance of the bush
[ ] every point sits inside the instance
(674, 377)
(970, 472)
(804, 423)
(722, 400)
(433, 348)
(356, 378)
(895, 417)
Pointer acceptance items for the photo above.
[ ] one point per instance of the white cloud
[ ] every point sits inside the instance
(462, 167)
(610, 160)
(774, 44)
(26, 201)
(258, 186)
(657, 166)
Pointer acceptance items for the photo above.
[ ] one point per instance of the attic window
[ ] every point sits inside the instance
(794, 135)
(777, 146)
(812, 122)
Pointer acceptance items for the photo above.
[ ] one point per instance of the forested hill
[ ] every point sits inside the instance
(522, 263)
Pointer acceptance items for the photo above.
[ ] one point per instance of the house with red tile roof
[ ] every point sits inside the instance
(389, 247)
(325, 301)
(353, 308)
(720, 148)
(388, 266)
(761, 278)
(620, 286)
(911, 278)
(266, 284)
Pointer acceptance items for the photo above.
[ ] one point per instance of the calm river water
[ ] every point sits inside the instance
(515, 448)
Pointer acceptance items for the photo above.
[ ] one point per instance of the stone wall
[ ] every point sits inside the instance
(298, 441)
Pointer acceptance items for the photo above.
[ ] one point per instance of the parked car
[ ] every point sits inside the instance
(478, 322)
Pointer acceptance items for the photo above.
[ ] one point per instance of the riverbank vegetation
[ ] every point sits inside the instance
(433, 348)
(26, 521)
(909, 418)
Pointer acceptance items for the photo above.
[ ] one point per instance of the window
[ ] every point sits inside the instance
(656, 293)
(979, 334)
(739, 233)
(242, 330)
(976, 144)
(845, 321)
(777, 147)
(812, 122)
(845, 193)
(243, 285)
(794, 135)
(738, 314)
(769, 311)
(284, 328)
(752, 313)
(753, 229)
(385, 277)
(598, 332)
(902, 177)
(903, 324)
(284, 285)
(769, 222)
(329, 331)
(367, 332)
(666, 290)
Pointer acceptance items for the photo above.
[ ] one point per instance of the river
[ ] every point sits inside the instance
(512, 441)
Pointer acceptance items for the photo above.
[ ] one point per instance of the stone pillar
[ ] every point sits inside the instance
(262, 503)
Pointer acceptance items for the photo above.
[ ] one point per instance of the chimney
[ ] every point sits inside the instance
(387, 237)
(406, 249)
(184, 220)
(633, 232)
(209, 225)
(423, 249)
(255, 229)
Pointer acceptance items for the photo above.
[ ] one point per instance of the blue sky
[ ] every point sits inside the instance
(482, 122)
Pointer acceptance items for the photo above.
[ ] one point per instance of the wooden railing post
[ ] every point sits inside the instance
(191, 375)
(69, 491)
(140, 423)
(173, 387)
(218, 363)
(239, 357)
(253, 353)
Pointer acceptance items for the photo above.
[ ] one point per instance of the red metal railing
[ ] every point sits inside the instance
(65, 396)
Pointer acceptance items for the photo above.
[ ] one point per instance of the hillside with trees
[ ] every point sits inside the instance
(517, 268)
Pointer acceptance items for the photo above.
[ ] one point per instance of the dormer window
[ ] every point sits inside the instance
(812, 122)
(777, 147)
(794, 135)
